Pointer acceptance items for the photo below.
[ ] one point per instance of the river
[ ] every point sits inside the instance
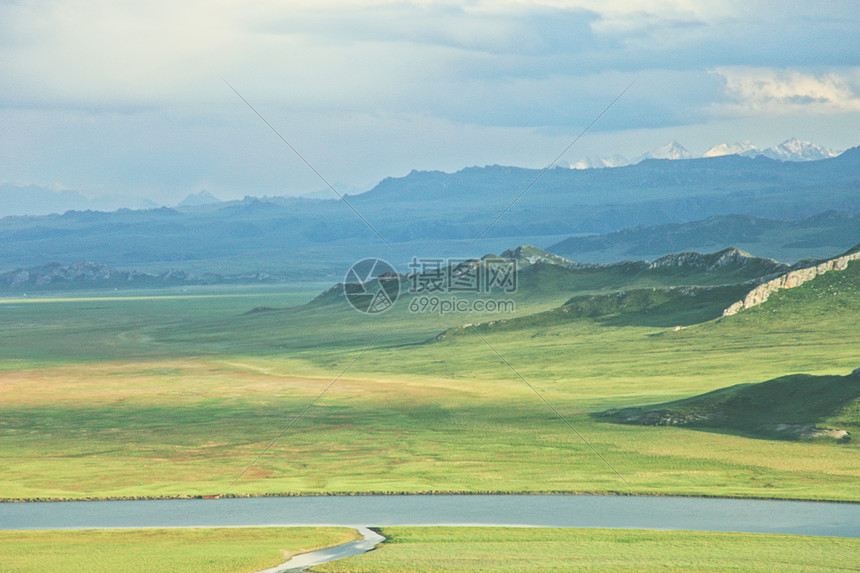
(632, 512)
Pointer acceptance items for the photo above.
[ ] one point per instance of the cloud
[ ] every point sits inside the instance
(375, 55)
(107, 91)
(783, 92)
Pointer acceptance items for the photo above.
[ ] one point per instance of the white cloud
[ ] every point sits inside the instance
(783, 92)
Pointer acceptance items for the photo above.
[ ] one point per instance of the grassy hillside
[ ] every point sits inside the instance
(666, 307)
(790, 407)
(547, 280)
(672, 291)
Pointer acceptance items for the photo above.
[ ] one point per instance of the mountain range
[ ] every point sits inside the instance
(789, 150)
(433, 212)
(89, 275)
(19, 200)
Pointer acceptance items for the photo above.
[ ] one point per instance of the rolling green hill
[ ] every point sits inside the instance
(660, 307)
(791, 407)
(544, 278)
(675, 290)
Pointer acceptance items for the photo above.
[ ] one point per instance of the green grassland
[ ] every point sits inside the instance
(503, 550)
(169, 396)
(420, 549)
(225, 550)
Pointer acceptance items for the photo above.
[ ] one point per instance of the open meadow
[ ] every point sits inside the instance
(223, 550)
(504, 550)
(424, 549)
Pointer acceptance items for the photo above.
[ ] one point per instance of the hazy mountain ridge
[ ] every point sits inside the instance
(289, 233)
(198, 199)
(85, 275)
(56, 275)
(33, 200)
(822, 233)
(645, 181)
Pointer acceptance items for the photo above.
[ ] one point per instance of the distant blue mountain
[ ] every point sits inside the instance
(34, 200)
(202, 197)
(429, 207)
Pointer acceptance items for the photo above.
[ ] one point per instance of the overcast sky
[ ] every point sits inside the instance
(128, 97)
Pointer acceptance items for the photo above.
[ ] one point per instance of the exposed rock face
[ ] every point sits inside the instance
(789, 280)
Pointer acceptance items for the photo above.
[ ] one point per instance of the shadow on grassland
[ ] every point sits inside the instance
(792, 407)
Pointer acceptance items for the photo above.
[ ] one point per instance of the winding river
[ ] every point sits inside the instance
(629, 512)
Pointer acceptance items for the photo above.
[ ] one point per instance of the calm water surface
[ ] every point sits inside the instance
(754, 516)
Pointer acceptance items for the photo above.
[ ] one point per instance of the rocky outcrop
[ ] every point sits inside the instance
(528, 255)
(642, 417)
(789, 280)
(711, 261)
(731, 257)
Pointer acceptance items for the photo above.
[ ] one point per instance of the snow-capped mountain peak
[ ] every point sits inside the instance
(592, 162)
(798, 150)
(742, 148)
(789, 150)
(673, 150)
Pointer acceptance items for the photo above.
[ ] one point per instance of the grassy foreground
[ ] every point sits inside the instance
(223, 550)
(506, 550)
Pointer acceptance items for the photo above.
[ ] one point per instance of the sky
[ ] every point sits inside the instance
(132, 98)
